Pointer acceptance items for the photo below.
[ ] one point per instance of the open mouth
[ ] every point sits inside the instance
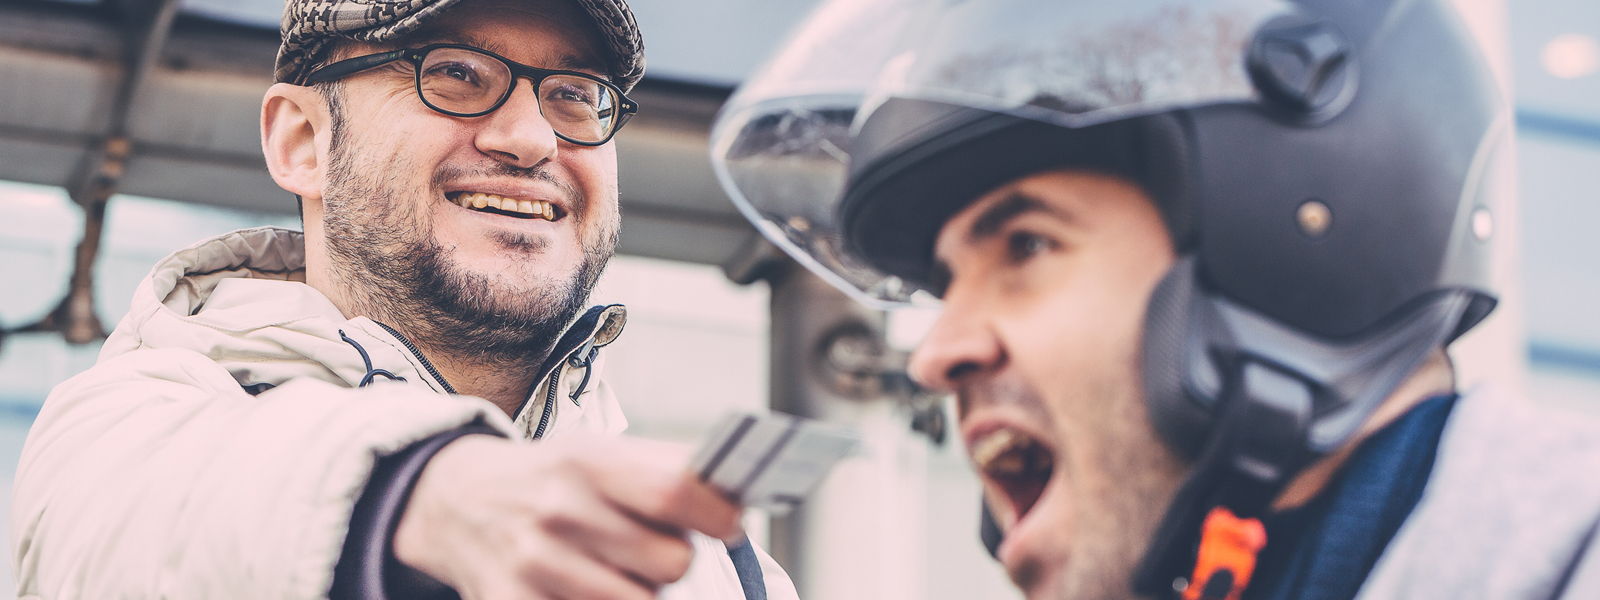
(510, 207)
(1017, 464)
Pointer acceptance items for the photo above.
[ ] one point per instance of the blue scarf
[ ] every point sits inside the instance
(1324, 550)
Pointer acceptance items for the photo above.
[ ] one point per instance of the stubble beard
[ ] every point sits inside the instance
(394, 271)
(1116, 508)
(1140, 480)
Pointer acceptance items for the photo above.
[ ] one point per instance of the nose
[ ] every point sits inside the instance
(962, 344)
(517, 134)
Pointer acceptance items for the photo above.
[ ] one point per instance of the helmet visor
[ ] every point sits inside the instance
(782, 145)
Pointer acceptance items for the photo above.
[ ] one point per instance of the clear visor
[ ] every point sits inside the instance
(782, 144)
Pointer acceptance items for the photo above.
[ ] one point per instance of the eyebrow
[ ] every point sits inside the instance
(1017, 204)
(573, 62)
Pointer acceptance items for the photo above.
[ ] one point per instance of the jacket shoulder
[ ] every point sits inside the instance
(1508, 511)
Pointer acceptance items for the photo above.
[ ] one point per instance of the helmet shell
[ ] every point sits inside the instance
(1397, 170)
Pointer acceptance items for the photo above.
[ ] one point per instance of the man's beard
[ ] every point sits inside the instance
(381, 246)
(1119, 489)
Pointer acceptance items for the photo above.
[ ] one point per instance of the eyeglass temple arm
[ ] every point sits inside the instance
(347, 67)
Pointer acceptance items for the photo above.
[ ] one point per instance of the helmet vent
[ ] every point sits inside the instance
(1306, 67)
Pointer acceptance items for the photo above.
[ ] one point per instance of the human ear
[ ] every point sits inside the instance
(294, 138)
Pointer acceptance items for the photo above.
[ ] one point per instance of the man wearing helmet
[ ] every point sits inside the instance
(1200, 262)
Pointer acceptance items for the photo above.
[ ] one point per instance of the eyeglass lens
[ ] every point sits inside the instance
(460, 81)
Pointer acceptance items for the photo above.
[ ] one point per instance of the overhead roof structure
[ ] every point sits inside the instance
(193, 121)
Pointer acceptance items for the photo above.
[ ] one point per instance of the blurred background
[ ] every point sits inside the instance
(181, 82)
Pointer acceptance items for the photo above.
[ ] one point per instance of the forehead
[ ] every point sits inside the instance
(542, 33)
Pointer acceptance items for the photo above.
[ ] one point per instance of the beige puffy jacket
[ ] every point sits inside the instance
(155, 474)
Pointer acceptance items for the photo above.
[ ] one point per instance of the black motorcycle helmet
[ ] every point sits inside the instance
(1322, 167)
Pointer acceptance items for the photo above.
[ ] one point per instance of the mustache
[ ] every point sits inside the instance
(979, 392)
(571, 198)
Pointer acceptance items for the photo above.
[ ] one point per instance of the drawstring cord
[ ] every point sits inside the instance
(588, 369)
(587, 365)
(366, 380)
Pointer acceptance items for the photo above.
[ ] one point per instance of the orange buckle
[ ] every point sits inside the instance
(1228, 547)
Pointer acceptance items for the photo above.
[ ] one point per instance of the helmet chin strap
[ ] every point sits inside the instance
(1267, 401)
(1243, 468)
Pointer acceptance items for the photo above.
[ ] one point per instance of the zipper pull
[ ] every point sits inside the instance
(588, 369)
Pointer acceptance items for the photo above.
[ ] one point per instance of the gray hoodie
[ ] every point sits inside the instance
(1510, 510)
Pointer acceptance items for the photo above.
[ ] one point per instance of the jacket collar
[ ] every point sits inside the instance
(239, 298)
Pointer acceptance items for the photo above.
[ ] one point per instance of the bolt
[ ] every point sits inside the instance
(1482, 224)
(1315, 218)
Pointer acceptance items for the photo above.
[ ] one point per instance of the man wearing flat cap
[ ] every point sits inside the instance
(348, 412)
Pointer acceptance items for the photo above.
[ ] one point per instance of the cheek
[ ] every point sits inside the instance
(594, 171)
(1077, 331)
(1083, 319)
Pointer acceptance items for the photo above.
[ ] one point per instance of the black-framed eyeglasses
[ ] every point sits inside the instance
(463, 81)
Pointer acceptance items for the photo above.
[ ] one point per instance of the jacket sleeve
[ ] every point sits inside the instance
(1584, 579)
(154, 474)
(368, 569)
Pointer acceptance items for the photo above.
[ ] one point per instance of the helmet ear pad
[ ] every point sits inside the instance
(1175, 412)
(917, 163)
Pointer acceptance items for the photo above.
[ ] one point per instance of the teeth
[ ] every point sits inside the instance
(1006, 453)
(988, 448)
(477, 200)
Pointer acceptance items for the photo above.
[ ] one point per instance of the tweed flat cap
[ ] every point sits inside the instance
(309, 25)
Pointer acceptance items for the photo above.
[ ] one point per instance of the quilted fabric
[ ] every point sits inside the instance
(309, 25)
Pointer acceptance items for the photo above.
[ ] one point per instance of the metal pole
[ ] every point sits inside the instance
(860, 537)
(97, 177)
(804, 310)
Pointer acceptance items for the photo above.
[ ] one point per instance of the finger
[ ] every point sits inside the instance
(570, 574)
(698, 506)
(654, 555)
(681, 501)
(651, 480)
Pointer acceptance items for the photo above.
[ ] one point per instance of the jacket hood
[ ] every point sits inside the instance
(240, 299)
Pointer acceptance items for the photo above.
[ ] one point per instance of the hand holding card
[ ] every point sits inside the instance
(772, 460)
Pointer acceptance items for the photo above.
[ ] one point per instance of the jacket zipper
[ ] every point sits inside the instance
(549, 399)
(549, 403)
(420, 358)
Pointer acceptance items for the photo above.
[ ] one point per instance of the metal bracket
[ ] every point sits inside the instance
(756, 259)
(98, 176)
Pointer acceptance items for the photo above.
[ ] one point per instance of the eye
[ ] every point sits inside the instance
(457, 71)
(1023, 245)
(573, 94)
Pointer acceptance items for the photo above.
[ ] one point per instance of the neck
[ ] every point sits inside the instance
(1434, 377)
(503, 383)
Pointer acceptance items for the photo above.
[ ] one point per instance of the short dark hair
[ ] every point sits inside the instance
(332, 92)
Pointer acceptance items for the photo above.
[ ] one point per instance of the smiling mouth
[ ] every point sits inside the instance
(510, 207)
(1019, 465)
